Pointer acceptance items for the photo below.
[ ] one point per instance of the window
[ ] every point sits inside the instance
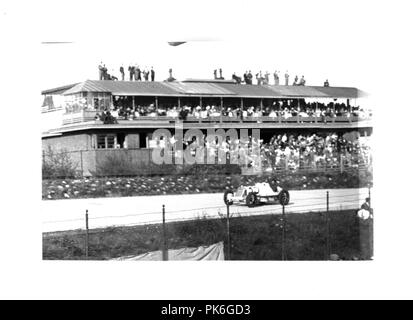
(101, 141)
(110, 141)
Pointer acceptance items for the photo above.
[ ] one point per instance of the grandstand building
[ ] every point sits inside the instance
(74, 117)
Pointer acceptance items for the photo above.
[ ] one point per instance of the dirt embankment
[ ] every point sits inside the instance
(184, 184)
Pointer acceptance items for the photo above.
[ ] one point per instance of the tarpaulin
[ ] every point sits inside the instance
(212, 252)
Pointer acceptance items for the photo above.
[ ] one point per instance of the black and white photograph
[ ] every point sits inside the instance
(236, 132)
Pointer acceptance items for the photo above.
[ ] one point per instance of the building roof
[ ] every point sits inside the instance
(209, 88)
(59, 90)
(123, 88)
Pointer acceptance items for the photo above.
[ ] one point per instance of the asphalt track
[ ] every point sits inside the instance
(63, 215)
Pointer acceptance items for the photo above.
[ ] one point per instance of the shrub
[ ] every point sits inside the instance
(58, 165)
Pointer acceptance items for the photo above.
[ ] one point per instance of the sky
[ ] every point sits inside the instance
(318, 39)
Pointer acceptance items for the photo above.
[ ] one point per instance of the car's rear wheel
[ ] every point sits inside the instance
(228, 194)
(251, 200)
(284, 197)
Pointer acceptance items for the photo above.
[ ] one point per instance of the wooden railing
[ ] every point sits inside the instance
(89, 115)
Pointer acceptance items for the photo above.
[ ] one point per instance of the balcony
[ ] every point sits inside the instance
(83, 116)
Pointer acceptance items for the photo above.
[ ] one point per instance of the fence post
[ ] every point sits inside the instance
(327, 253)
(283, 256)
(87, 234)
(228, 236)
(164, 243)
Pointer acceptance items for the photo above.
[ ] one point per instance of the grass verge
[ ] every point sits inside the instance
(252, 238)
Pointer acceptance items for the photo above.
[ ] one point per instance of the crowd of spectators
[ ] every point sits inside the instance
(264, 78)
(136, 73)
(279, 109)
(283, 151)
(313, 150)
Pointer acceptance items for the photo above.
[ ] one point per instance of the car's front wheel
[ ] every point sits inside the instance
(284, 197)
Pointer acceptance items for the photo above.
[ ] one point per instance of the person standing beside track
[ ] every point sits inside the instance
(365, 224)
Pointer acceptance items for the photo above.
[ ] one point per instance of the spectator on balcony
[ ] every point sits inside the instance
(108, 118)
(136, 113)
(183, 114)
(115, 113)
(204, 114)
(122, 72)
(273, 114)
(152, 74)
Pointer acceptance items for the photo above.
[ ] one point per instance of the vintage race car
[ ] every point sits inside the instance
(257, 194)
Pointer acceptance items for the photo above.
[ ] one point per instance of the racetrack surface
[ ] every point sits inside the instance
(63, 215)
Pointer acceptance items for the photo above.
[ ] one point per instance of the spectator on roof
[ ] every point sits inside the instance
(220, 74)
(171, 78)
(105, 72)
(146, 74)
(267, 77)
(122, 72)
(295, 81)
(287, 77)
(276, 78)
(249, 76)
(236, 78)
(131, 70)
(152, 74)
(101, 77)
(138, 74)
(302, 81)
(326, 83)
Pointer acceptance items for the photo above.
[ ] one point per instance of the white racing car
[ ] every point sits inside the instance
(257, 194)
